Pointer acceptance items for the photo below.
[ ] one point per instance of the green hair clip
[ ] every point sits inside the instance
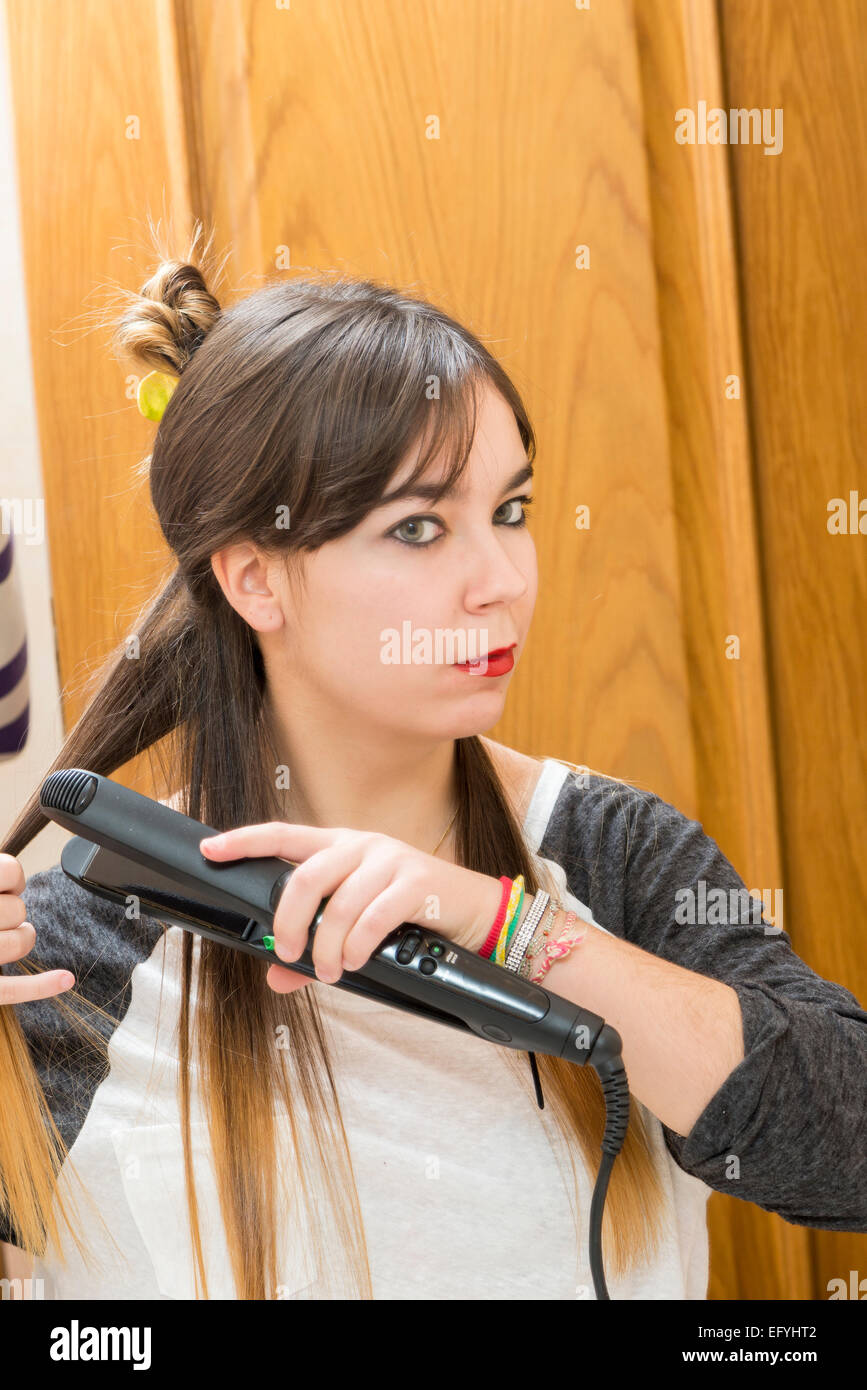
(154, 393)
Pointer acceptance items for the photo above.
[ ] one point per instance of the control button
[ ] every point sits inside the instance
(437, 948)
(268, 943)
(408, 948)
(510, 995)
(427, 966)
(498, 1034)
(277, 889)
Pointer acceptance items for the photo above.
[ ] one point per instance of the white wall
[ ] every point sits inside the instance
(21, 477)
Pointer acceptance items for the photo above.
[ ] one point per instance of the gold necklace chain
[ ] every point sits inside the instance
(445, 832)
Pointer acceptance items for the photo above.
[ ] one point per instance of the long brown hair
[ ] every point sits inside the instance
(306, 394)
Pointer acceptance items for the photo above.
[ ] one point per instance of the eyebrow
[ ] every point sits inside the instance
(428, 492)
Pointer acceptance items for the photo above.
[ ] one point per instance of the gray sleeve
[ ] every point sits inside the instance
(794, 1112)
(78, 931)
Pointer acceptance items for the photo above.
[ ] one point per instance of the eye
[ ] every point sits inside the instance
(520, 520)
(420, 521)
(417, 522)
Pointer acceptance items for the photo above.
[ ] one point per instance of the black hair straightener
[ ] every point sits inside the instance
(127, 844)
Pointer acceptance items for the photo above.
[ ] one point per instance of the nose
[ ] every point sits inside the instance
(493, 575)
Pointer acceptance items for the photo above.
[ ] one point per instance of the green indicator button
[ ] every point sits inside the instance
(268, 943)
(436, 949)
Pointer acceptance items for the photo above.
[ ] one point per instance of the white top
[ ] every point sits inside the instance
(465, 1188)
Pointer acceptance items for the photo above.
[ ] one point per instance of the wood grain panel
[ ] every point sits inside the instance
(85, 189)
(754, 1254)
(539, 150)
(802, 229)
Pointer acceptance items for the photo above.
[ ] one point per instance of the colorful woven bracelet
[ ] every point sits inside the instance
(507, 930)
(514, 896)
(571, 934)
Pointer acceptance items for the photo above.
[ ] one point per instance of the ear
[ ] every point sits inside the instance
(242, 572)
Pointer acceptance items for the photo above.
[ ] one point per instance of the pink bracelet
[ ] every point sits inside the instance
(572, 932)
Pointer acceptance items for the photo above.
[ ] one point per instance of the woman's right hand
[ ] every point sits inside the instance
(17, 939)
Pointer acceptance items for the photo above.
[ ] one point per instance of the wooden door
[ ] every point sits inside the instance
(517, 164)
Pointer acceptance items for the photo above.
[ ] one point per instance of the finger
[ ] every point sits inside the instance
(284, 981)
(17, 989)
(277, 838)
(315, 879)
(16, 942)
(12, 878)
(396, 905)
(281, 839)
(13, 911)
(343, 909)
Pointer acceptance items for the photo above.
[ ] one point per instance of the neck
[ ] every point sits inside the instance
(337, 777)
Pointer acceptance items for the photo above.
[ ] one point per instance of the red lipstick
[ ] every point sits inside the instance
(498, 663)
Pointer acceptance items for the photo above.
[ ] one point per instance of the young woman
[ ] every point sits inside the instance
(339, 463)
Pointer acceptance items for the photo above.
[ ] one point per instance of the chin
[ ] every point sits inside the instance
(477, 720)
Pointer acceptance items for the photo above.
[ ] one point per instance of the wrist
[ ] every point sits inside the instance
(552, 941)
(487, 903)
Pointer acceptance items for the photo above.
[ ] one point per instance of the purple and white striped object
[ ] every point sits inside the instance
(14, 678)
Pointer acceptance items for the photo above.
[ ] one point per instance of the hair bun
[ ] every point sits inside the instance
(168, 319)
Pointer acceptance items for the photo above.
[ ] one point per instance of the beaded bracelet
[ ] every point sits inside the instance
(554, 948)
(572, 934)
(531, 950)
(540, 939)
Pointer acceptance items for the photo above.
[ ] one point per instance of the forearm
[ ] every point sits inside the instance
(682, 1032)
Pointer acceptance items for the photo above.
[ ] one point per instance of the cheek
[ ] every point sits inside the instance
(348, 599)
(526, 561)
(532, 573)
(350, 626)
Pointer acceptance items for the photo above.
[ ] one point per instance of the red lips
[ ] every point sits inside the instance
(498, 651)
(496, 663)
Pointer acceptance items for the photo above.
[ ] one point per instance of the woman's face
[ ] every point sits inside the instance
(410, 570)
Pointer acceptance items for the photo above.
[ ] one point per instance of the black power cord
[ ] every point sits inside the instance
(607, 1062)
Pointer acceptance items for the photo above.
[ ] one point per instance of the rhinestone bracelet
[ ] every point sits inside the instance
(525, 932)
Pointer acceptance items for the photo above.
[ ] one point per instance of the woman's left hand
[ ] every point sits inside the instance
(373, 884)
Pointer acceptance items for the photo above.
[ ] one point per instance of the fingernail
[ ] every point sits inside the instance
(214, 841)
